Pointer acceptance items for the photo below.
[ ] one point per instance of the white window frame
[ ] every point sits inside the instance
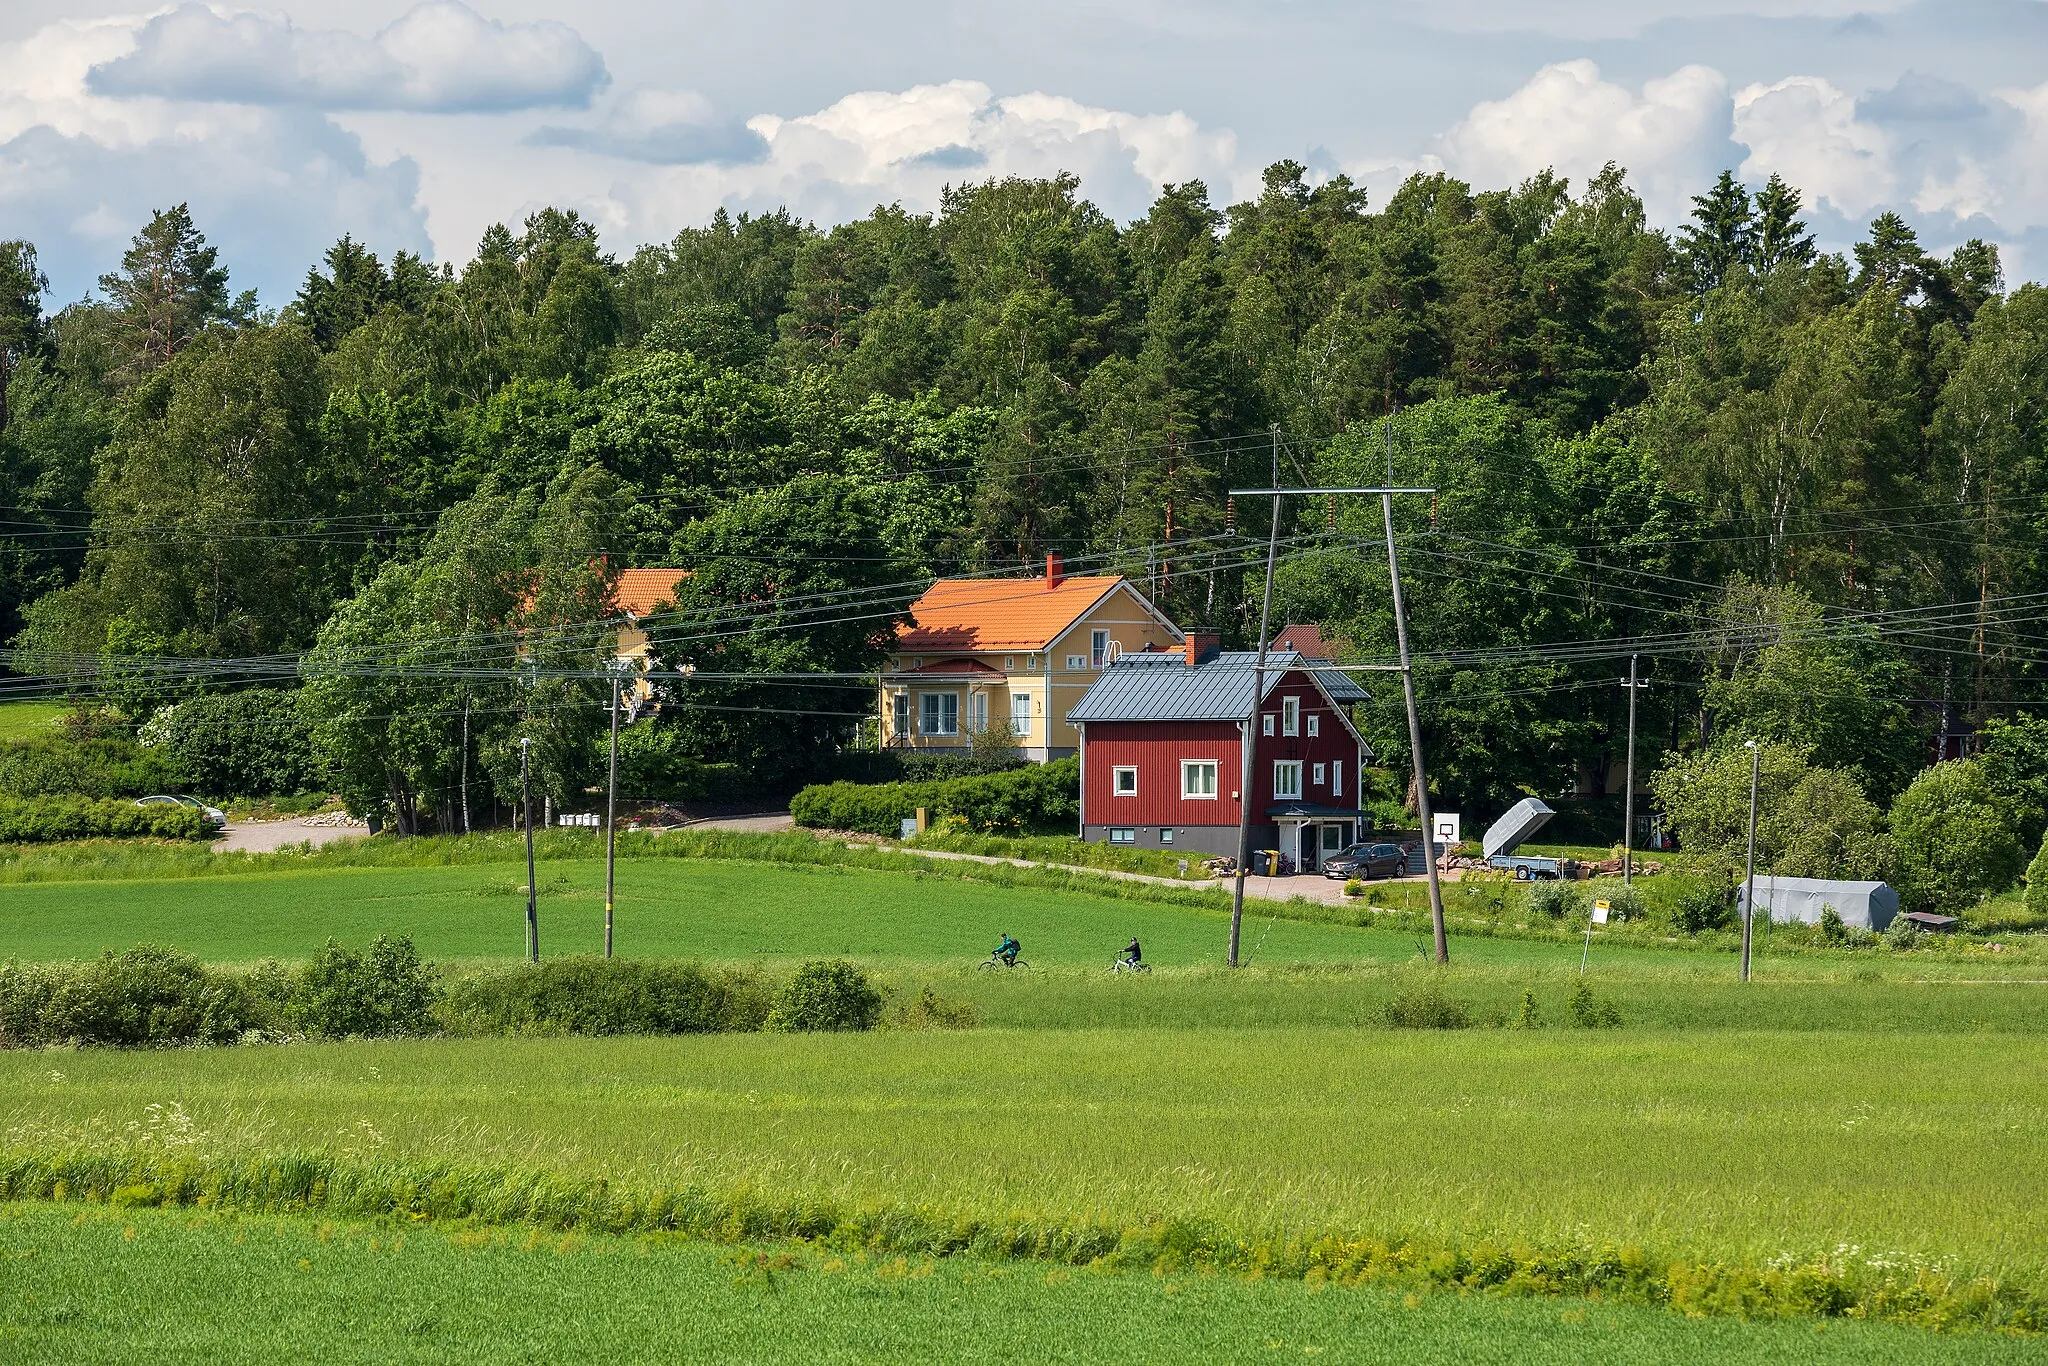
(977, 711)
(933, 713)
(1267, 719)
(1077, 663)
(1020, 713)
(1336, 777)
(1009, 663)
(1290, 790)
(900, 714)
(1315, 725)
(1123, 834)
(1190, 791)
(1290, 716)
(1315, 774)
(1117, 786)
(1098, 649)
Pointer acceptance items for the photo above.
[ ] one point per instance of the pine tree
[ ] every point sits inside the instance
(1892, 258)
(337, 303)
(1722, 235)
(1781, 236)
(169, 289)
(22, 284)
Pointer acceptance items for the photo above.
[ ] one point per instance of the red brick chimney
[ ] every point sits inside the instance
(1201, 644)
(1055, 569)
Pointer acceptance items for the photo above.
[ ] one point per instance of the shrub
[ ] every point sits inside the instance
(1527, 1016)
(1701, 909)
(388, 990)
(826, 994)
(1588, 1011)
(1902, 934)
(146, 995)
(1625, 904)
(99, 766)
(1556, 898)
(2036, 896)
(254, 743)
(606, 996)
(41, 820)
(1427, 1008)
(1952, 839)
(1355, 887)
(930, 1011)
(1038, 797)
(1811, 822)
(654, 764)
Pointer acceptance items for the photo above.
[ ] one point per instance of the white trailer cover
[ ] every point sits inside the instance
(1866, 905)
(1523, 819)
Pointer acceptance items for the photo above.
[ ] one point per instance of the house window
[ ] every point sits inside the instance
(1123, 834)
(938, 713)
(1077, 661)
(1124, 782)
(977, 711)
(1166, 834)
(1268, 720)
(1009, 663)
(1290, 716)
(1098, 648)
(1337, 778)
(1286, 780)
(1316, 776)
(1315, 724)
(1198, 779)
(900, 713)
(1020, 713)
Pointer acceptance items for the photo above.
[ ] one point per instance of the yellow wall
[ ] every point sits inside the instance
(1053, 687)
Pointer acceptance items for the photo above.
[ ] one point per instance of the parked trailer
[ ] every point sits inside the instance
(1530, 867)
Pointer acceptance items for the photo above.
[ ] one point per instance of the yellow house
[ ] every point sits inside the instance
(1019, 650)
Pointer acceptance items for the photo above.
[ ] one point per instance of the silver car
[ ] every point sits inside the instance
(212, 813)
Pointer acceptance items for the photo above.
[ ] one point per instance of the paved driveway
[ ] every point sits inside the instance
(262, 837)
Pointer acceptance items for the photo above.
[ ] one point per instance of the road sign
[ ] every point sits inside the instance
(1600, 910)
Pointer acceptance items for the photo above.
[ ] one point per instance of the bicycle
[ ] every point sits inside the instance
(1123, 964)
(996, 960)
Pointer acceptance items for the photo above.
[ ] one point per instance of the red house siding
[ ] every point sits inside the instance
(1155, 749)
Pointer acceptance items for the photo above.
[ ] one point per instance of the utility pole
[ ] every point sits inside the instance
(1405, 668)
(526, 819)
(1749, 860)
(1628, 800)
(1251, 725)
(611, 810)
(1436, 895)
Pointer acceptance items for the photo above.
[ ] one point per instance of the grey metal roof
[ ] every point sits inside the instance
(1159, 686)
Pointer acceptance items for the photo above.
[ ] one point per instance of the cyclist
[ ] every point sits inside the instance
(1132, 954)
(1008, 950)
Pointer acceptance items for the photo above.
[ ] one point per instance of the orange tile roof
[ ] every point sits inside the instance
(1000, 614)
(640, 589)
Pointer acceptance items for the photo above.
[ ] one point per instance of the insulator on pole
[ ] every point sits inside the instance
(1330, 512)
(1229, 516)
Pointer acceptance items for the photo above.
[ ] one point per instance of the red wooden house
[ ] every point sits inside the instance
(1162, 737)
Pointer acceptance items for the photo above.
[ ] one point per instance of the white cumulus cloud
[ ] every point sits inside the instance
(1672, 135)
(906, 146)
(1807, 131)
(80, 172)
(440, 57)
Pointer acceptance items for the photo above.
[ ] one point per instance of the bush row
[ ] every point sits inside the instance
(1039, 799)
(54, 765)
(42, 820)
(150, 996)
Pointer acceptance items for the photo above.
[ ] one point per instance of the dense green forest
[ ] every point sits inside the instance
(1806, 489)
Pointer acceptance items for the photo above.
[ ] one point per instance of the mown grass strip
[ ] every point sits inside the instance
(1938, 1297)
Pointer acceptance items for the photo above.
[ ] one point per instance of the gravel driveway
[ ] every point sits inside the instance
(261, 837)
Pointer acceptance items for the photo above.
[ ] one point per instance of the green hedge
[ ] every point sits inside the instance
(48, 766)
(606, 996)
(254, 743)
(41, 820)
(1044, 798)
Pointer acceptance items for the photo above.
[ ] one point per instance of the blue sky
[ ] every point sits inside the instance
(417, 125)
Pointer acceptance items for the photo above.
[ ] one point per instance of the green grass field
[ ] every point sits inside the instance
(19, 720)
(143, 1285)
(1875, 1109)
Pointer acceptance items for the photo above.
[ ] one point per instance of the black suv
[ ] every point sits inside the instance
(1366, 861)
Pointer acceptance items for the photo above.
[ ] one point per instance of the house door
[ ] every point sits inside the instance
(1335, 837)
